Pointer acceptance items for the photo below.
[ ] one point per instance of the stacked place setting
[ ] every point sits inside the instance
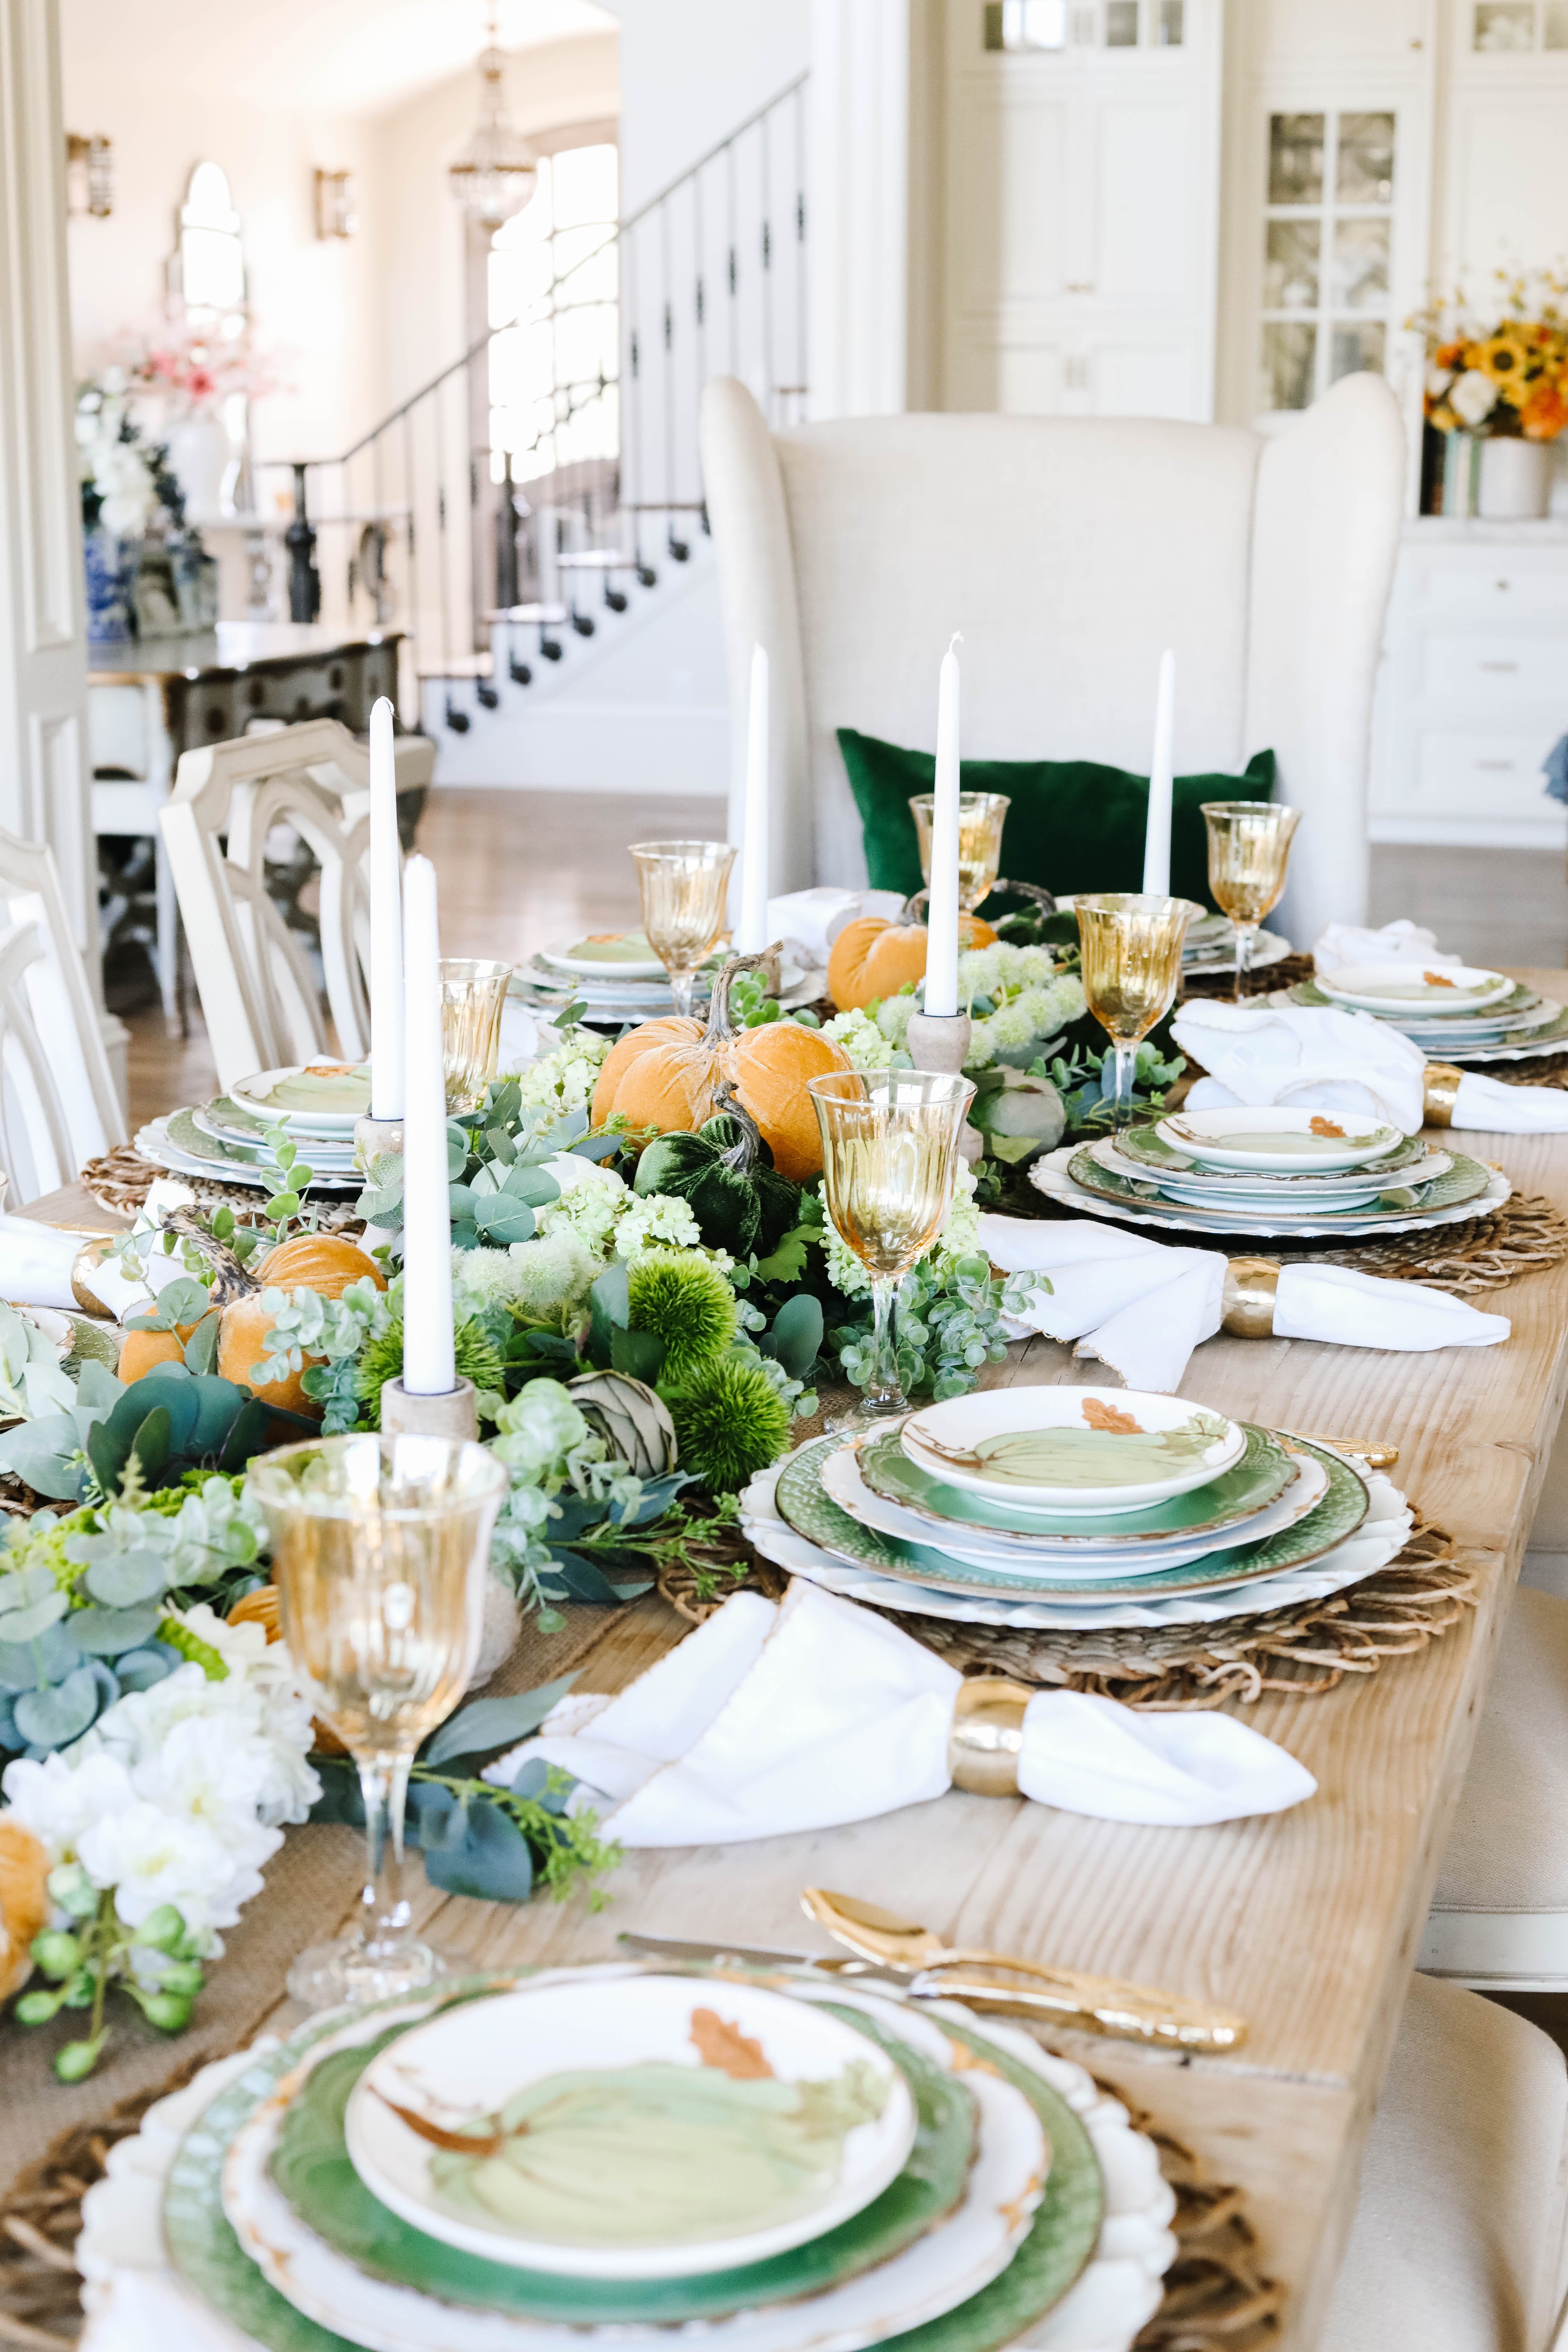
(228, 1140)
(530, 2162)
(615, 976)
(1289, 1174)
(1457, 1013)
(1067, 1507)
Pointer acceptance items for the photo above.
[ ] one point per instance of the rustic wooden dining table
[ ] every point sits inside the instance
(1307, 1923)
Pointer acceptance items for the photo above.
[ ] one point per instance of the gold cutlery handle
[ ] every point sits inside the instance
(1097, 2004)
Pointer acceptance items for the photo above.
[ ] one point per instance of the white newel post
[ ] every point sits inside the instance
(858, 198)
(44, 770)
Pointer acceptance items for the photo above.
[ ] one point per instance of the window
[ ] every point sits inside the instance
(1087, 23)
(552, 292)
(1326, 254)
(212, 259)
(1498, 28)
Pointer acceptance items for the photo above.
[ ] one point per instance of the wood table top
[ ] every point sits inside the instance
(1307, 1922)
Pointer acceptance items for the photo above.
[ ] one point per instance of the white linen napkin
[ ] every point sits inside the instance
(811, 1712)
(1141, 1307)
(808, 921)
(1487, 1102)
(1301, 1056)
(1344, 946)
(35, 1264)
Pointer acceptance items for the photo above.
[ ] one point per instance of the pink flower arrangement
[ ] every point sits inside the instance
(196, 372)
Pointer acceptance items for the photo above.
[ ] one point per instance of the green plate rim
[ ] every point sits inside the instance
(1263, 1460)
(806, 1506)
(436, 2269)
(1062, 2237)
(1522, 1000)
(1141, 1142)
(1466, 1181)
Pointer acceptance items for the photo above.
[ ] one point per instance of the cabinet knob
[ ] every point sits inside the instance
(1498, 665)
(1081, 286)
(1504, 766)
(1503, 584)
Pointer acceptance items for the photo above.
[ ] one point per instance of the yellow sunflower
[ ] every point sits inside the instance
(1506, 358)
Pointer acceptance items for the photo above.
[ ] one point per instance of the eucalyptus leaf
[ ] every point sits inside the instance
(597, 1146)
(499, 1145)
(23, 1625)
(97, 1386)
(29, 1665)
(503, 1220)
(584, 1582)
(537, 1186)
(125, 1581)
(138, 1670)
(491, 1723)
(19, 1590)
(52, 1718)
(489, 1859)
(796, 1334)
(283, 1204)
(201, 1347)
(457, 1150)
(38, 1452)
(110, 1632)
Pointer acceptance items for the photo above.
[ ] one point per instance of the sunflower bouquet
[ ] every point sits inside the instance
(1510, 377)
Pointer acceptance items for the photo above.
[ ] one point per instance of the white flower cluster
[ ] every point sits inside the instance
(178, 1793)
(959, 1237)
(565, 1079)
(869, 1046)
(598, 1218)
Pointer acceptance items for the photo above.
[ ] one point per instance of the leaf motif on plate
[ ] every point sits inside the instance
(723, 2045)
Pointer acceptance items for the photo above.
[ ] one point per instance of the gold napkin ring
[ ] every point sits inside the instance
(1246, 1304)
(91, 1253)
(988, 1735)
(1441, 1080)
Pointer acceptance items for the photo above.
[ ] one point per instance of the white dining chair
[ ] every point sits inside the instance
(59, 1104)
(1459, 2236)
(1499, 1919)
(1070, 551)
(260, 995)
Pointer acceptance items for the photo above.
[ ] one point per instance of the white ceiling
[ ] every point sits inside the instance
(350, 56)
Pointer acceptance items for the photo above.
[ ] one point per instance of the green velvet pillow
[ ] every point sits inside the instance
(1073, 824)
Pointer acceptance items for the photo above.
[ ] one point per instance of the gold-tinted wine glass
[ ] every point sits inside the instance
(380, 1552)
(1249, 850)
(889, 1159)
(1130, 956)
(682, 887)
(473, 996)
(981, 816)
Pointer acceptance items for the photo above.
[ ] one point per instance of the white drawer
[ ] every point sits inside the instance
(1503, 590)
(1524, 668)
(1481, 773)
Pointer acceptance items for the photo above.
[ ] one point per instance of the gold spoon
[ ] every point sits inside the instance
(1097, 2004)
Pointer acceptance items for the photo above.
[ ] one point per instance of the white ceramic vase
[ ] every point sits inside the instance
(201, 455)
(1516, 478)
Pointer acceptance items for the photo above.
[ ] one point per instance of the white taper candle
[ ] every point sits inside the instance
(385, 922)
(1157, 831)
(941, 917)
(751, 923)
(428, 1368)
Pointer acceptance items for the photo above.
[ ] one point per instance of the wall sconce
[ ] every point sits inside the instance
(89, 174)
(337, 214)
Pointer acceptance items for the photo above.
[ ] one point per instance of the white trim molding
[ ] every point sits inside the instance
(858, 229)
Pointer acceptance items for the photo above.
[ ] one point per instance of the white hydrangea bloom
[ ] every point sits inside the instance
(656, 1221)
(591, 1211)
(863, 1039)
(151, 1857)
(59, 1800)
(565, 1080)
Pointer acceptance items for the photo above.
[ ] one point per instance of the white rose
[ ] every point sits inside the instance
(151, 1857)
(59, 1801)
(1474, 397)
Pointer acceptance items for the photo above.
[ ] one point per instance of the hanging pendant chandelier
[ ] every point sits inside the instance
(496, 174)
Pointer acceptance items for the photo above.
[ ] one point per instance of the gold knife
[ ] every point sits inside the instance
(1096, 2004)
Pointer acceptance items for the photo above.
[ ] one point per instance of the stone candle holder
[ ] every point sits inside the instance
(941, 1042)
(454, 1413)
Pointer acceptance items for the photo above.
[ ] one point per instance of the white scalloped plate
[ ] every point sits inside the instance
(1048, 1175)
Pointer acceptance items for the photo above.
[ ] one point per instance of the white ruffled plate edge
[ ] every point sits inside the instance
(136, 2302)
(1049, 1175)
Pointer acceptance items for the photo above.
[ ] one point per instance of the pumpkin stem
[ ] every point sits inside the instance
(232, 1280)
(743, 1156)
(720, 1029)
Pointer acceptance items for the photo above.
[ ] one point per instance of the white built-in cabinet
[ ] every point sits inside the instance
(1080, 219)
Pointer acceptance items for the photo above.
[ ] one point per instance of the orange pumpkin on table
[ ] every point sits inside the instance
(322, 1261)
(24, 1901)
(872, 959)
(666, 1076)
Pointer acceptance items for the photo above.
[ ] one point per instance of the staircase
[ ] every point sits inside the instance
(557, 594)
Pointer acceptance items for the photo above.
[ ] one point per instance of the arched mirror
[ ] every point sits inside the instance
(211, 260)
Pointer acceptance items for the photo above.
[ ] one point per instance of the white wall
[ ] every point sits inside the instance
(691, 70)
(313, 302)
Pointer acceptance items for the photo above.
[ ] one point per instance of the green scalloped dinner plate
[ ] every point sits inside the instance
(312, 2166)
(1260, 1477)
(1061, 2239)
(1466, 1180)
(804, 1502)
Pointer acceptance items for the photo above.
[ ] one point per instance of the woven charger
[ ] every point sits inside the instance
(120, 1179)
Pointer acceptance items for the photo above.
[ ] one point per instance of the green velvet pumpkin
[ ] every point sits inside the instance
(725, 1173)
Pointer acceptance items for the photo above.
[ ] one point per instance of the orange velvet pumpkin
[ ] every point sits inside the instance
(322, 1261)
(666, 1076)
(24, 1901)
(871, 959)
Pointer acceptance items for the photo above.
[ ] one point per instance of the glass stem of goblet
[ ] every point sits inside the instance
(1245, 935)
(883, 1390)
(680, 987)
(1126, 1071)
(384, 1915)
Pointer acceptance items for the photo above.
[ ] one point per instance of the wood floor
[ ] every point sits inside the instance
(520, 870)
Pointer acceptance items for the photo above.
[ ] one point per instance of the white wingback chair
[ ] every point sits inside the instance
(58, 1107)
(1070, 552)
